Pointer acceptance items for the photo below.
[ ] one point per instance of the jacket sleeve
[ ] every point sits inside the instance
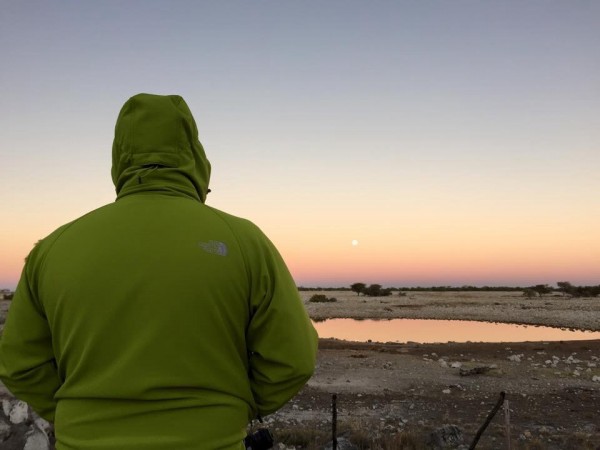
(281, 340)
(27, 363)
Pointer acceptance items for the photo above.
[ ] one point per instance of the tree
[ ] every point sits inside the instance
(565, 287)
(529, 293)
(358, 287)
(542, 289)
(373, 290)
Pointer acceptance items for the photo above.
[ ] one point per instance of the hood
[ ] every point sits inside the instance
(156, 148)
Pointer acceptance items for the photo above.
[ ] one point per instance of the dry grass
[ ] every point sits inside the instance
(308, 438)
(359, 433)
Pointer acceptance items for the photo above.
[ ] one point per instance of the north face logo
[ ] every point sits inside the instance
(214, 247)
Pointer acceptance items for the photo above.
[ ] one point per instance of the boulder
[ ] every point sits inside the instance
(445, 437)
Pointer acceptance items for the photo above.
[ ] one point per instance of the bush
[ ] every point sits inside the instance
(578, 291)
(375, 290)
(320, 298)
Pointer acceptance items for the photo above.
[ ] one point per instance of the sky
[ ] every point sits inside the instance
(456, 143)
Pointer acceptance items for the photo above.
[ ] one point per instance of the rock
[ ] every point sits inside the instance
(571, 360)
(4, 430)
(42, 424)
(477, 370)
(446, 391)
(36, 440)
(342, 444)
(596, 379)
(456, 365)
(18, 412)
(515, 358)
(6, 405)
(446, 436)
(443, 363)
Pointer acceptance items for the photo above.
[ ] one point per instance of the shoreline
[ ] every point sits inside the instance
(555, 311)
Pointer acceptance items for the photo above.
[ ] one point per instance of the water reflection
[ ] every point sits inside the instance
(429, 331)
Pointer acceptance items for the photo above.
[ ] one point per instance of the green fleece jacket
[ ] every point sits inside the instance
(156, 322)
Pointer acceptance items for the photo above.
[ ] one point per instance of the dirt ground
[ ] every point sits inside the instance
(397, 395)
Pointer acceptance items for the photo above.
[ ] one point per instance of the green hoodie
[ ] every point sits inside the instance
(156, 322)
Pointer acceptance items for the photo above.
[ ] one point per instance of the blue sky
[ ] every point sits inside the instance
(405, 125)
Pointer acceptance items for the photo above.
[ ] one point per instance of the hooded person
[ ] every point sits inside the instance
(156, 322)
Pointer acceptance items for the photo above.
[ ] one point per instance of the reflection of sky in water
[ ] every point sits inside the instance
(427, 331)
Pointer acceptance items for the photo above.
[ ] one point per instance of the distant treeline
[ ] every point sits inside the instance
(420, 288)
(564, 287)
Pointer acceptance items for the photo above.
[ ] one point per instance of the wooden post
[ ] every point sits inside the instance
(334, 421)
(507, 424)
(487, 420)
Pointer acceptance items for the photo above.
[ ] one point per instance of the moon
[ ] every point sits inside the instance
(354, 242)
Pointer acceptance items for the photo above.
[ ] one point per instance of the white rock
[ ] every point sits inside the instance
(443, 362)
(596, 379)
(456, 365)
(571, 360)
(515, 358)
(6, 407)
(18, 412)
(446, 391)
(37, 440)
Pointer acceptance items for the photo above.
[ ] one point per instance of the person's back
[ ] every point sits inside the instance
(156, 322)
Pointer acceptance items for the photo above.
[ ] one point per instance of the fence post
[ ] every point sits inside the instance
(507, 424)
(488, 420)
(334, 421)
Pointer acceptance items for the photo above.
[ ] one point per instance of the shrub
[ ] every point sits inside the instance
(320, 298)
(375, 290)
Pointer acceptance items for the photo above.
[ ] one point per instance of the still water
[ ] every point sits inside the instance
(429, 331)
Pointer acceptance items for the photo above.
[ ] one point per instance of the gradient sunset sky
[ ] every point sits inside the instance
(457, 142)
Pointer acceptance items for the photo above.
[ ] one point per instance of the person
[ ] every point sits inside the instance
(157, 321)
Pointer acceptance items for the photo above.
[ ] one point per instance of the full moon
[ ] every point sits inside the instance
(354, 242)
